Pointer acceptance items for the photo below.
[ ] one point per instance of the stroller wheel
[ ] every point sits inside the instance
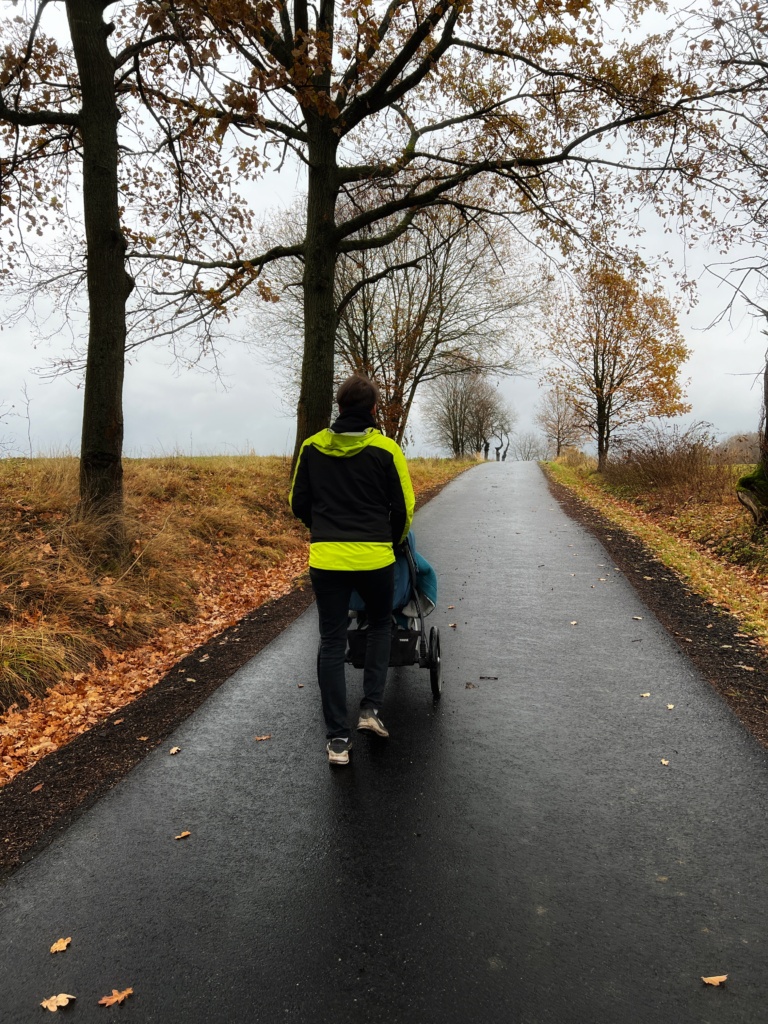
(435, 664)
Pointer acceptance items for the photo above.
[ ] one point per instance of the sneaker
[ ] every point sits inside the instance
(369, 719)
(338, 751)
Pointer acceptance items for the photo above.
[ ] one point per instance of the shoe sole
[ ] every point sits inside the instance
(367, 725)
(338, 759)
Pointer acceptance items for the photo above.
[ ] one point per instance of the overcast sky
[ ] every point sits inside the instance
(167, 411)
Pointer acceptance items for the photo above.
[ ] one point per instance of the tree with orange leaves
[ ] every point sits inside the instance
(617, 353)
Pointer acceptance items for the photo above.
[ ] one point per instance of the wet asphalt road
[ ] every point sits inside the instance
(516, 853)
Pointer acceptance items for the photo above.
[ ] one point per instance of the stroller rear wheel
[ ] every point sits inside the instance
(435, 664)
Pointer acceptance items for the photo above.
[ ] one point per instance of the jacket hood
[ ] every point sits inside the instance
(343, 445)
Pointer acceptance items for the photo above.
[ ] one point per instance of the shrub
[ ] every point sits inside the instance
(674, 466)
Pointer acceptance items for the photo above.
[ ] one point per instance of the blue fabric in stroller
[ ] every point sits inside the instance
(403, 605)
(415, 596)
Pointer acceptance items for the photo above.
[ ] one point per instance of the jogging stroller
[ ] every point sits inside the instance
(415, 597)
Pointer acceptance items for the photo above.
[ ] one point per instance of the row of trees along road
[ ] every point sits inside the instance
(465, 414)
(454, 295)
(567, 122)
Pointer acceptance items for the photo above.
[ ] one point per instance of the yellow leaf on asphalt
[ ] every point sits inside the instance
(670, 706)
(116, 997)
(717, 979)
(174, 750)
(268, 736)
(575, 622)
(645, 695)
(183, 835)
(54, 1002)
(638, 618)
(60, 945)
(142, 739)
(664, 761)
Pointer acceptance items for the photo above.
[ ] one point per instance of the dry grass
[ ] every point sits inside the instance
(668, 468)
(201, 531)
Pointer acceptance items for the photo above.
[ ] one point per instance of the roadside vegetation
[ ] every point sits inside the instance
(675, 490)
(210, 538)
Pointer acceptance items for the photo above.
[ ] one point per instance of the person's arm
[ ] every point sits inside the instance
(300, 496)
(401, 498)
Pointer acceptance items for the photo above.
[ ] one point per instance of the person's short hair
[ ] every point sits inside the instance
(357, 390)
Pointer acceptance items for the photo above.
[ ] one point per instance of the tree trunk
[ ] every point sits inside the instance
(316, 394)
(603, 428)
(752, 489)
(101, 469)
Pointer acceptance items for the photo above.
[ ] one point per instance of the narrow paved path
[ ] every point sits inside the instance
(517, 853)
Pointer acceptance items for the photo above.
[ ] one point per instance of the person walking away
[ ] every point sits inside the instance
(351, 487)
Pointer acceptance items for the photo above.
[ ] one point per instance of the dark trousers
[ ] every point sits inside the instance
(332, 592)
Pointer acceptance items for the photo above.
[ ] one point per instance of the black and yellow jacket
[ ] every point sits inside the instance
(352, 489)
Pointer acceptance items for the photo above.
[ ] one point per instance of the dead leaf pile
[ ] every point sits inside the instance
(86, 698)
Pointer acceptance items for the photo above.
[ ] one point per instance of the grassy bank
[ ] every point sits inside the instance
(708, 539)
(210, 539)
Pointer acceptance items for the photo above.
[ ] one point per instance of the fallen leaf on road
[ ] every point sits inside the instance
(746, 668)
(717, 979)
(664, 761)
(452, 625)
(451, 607)
(143, 739)
(116, 997)
(647, 577)
(52, 1004)
(645, 695)
(670, 706)
(189, 679)
(575, 622)
(638, 618)
(300, 686)
(260, 738)
(174, 750)
(60, 945)
(118, 721)
(37, 788)
(182, 835)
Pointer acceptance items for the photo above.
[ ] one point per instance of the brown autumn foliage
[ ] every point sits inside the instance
(618, 351)
(211, 539)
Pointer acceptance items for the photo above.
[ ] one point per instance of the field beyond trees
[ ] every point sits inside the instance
(211, 538)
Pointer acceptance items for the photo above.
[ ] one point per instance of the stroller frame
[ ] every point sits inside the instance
(407, 646)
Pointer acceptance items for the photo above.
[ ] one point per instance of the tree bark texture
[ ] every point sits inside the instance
(316, 394)
(109, 285)
(603, 436)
